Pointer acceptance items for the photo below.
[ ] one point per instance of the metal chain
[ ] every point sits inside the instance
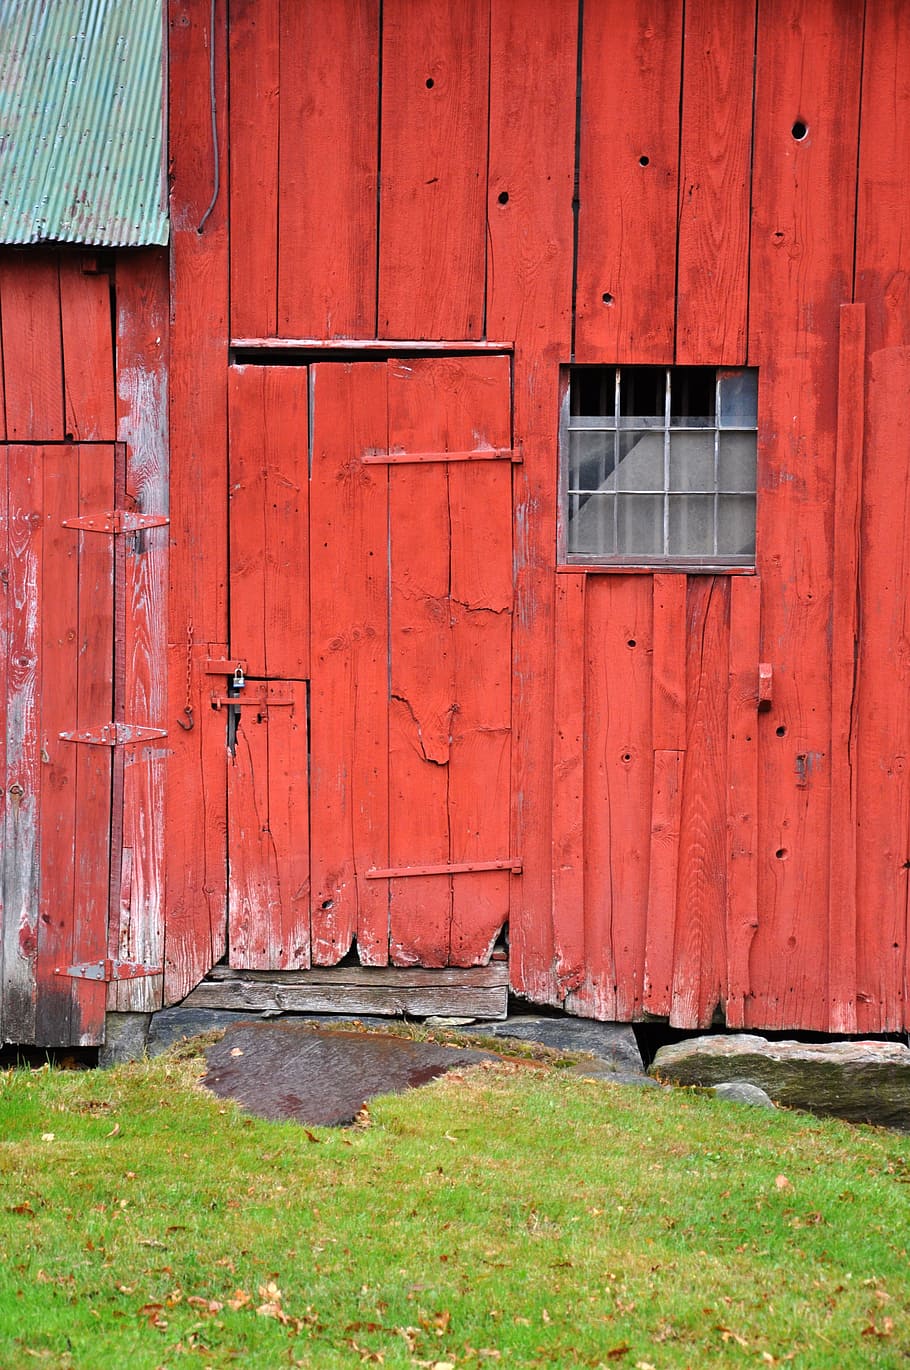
(187, 725)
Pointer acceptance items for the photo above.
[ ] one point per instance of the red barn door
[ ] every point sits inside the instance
(406, 664)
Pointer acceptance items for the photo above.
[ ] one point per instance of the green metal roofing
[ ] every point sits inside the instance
(81, 122)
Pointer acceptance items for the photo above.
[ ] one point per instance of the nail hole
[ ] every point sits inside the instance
(799, 130)
(607, 297)
(644, 161)
(781, 731)
(503, 197)
(782, 853)
(327, 903)
(430, 83)
(627, 756)
(631, 642)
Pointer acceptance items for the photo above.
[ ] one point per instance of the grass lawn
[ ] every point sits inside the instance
(506, 1215)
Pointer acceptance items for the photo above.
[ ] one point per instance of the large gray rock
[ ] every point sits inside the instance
(864, 1082)
(125, 1038)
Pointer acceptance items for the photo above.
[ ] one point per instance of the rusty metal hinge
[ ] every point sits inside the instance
(113, 735)
(108, 970)
(116, 521)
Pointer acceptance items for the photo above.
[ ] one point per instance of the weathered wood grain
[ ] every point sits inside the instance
(699, 955)
(32, 351)
(714, 183)
(470, 993)
(569, 746)
(628, 181)
(269, 520)
(197, 599)
(328, 168)
(349, 727)
(435, 101)
(742, 790)
(808, 71)
(88, 353)
(253, 159)
(137, 931)
(844, 658)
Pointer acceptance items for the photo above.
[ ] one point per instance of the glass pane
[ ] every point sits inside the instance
(596, 421)
(692, 392)
(692, 461)
(591, 457)
(692, 525)
(642, 396)
(591, 525)
(738, 399)
(736, 461)
(641, 525)
(736, 525)
(641, 461)
(593, 390)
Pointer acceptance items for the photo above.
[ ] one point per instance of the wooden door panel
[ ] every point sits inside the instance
(59, 657)
(411, 686)
(268, 829)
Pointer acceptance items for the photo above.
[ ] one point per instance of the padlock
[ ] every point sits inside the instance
(239, 680)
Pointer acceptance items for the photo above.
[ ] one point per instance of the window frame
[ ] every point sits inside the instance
(640, 562)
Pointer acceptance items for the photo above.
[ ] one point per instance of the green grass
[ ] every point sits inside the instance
(505, 1215)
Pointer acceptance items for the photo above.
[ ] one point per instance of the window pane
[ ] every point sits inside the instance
(593, 390)
(641, 525)
(591, 525)
(738, 399)
(590, 460)
(641, 461)
(736, 525)
(692, 461)
(736, 461)
(692, 525)
(692, 392)
(642, 396)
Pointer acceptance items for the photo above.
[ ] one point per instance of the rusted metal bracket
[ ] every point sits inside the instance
(108, 970)
(116, 521)
(459, 868)
(114, 735)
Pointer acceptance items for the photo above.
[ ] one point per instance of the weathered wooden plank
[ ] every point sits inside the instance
(699, 954)
(435, 99)
(807, 83)
(463, 1001)
(480, 600)
(569, 739)
(24, 526)
(137, 931)
(845, 656)
(269, 520)
(742, 790)
(422, 665)
(628, 186)
(89, 702)
(882, 283)
(883, 195)
(328, 168)
(668, 735)
(32, 354)
(254, 95)
(349, 519)
(268, 837)
(58, 470)
(618, 787)
(88, 353)
(494, 974)
(714, 183)
(5, 635)
(529, 296)
(197, 601)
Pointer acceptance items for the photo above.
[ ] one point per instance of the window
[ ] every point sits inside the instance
(659, 466)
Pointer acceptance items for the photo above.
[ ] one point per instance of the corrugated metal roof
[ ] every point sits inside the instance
(81, 122)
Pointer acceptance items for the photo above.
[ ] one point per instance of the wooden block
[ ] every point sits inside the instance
(88, 353)
(463, 1000)
(569, 748)
(32, 352)
(742, 791)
